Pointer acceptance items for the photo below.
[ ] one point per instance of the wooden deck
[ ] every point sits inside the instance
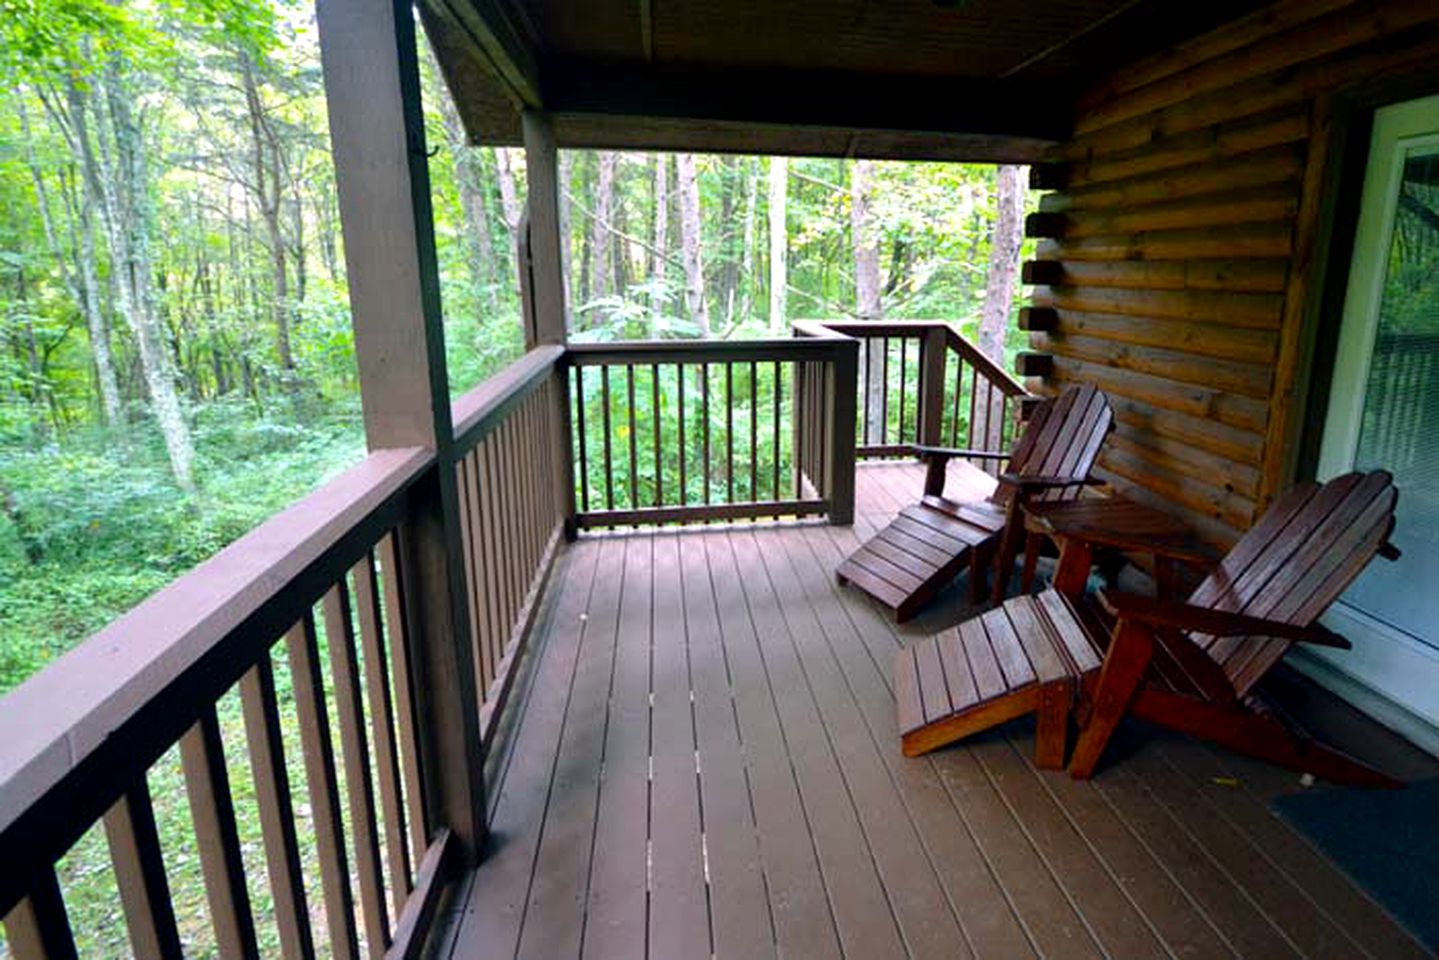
(706, 764)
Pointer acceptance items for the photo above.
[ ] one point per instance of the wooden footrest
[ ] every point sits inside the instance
(1023, 657)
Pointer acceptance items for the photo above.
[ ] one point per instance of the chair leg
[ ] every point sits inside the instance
(1124, 664)
(1051, 736)
(978, 564)
(1008, 550)
(1033, 543)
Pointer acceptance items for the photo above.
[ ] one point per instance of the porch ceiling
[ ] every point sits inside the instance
(917, 79)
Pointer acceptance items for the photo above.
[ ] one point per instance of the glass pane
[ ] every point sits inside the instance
(1401, 408)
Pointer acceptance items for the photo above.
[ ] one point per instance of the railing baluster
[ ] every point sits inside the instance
(634, 460)
(705, 423)
(903, 370)
(655, 413)
(405, 716)
(492, 529)
(277, 815)
(145, 890)
(798, 439)
(508, 497)
(382, 723)
(465, 477)
(867, 346)
(778, 404)
(973, 404)
(605, 423)
(958, 391)
(584, 437)
(729, 431)
(354, 750)
(684, 450)
(37, 927)
(485, 635)
(324, 791)
(212, 810)
(884, 395)
(753, 431)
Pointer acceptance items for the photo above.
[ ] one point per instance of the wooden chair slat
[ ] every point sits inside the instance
(933, 691)
(988, 678)
(957, 674)
(1018, 670)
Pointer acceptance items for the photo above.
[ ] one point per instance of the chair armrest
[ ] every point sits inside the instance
(1218, 623)
(1028, 482)
(925, 452)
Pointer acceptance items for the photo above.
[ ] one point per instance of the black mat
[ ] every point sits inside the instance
(1387, 840)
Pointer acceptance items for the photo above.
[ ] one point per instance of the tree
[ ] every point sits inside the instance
(866, 285)
(659, 235)
(778, 241)
(601, 223)
(691, 242)
(1005, 240)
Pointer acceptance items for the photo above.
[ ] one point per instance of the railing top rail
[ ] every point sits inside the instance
(956, 341)
(476, 412)
(976, 358)
(703, 351)
(70, 713)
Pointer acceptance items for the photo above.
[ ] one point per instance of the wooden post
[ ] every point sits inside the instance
(843, 385)
(543, 207)
(377, 134)
(546, 314)
(932, 356)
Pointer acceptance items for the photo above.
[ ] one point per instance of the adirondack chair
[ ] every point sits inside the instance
(1188, 666)
(925, 547)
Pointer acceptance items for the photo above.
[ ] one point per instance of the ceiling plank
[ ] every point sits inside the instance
(497, 31)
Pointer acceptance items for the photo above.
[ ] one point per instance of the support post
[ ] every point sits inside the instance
(543, 207)
(372, 85)
(932, 356)
(843, 386)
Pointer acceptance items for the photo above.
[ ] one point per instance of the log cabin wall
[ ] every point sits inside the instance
(1189, 238)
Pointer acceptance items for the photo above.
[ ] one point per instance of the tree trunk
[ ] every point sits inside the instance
(125, 188)
(480, 252)
(866, 291)
(602, 269)
(691, 242)
(565, 166)
(265, 173)
(1003, 274)
(778, 242)
(83, 281)
(746, 273)
(660, 238)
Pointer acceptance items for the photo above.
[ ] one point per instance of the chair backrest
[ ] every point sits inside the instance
(1061, 438)
(1291, 565)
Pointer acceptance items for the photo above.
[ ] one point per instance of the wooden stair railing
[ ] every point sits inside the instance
(922, 382)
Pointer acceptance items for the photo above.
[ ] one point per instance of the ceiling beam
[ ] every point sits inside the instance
(575, 88)
(499, 33)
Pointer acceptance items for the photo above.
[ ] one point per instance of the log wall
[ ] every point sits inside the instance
(1189, 237)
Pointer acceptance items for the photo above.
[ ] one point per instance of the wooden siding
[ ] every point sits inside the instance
(1190, 234)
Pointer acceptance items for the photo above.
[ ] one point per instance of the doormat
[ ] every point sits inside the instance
(1386, 840)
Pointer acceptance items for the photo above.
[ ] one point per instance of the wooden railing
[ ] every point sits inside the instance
(923, 382)
(683, 432)
(511, 439)
(82, 737)
(344, 619)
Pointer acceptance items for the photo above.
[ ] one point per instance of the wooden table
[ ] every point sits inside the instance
(1079, 527)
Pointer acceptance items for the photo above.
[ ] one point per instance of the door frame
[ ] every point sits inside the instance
(1389, 674)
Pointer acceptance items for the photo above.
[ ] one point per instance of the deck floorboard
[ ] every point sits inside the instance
(707, 764)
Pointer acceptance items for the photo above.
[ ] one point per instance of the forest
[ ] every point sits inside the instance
(176, 358)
